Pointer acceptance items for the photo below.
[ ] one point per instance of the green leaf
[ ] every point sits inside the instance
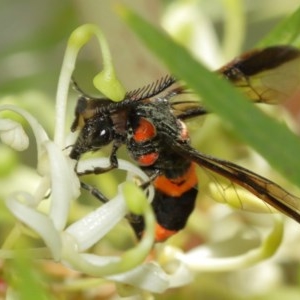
(272, 140)
(286, 33)
(27, 282)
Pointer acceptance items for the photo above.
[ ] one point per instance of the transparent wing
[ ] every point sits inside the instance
(270, 75)
(263, 188)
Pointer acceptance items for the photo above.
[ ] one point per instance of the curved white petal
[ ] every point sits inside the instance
(90, 229)
(132, 170)
(181, 276)
(37, 221)
(91, 163)
(64, 184)
(96, 224)
(148, 276)
(38, 131)
(13, 134)
(202, 258)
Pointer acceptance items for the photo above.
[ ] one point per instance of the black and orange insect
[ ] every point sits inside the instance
(151, 123)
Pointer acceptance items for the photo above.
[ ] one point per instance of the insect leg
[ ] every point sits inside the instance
(100, 170)
(146, 184)
(94, 191)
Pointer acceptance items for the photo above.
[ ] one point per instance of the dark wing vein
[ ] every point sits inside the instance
(270, 75)
(261, 187)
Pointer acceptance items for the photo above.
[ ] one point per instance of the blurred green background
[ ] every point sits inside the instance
(34, 33)
(33, 39)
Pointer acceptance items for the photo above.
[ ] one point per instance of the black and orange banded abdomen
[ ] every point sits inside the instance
(174, 201)
(172, 212)
(177, 186)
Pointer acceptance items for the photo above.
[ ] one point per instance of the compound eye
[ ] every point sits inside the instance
(101, 137)
(105, 135)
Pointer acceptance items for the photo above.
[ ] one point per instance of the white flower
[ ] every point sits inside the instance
(58, 185)
(13, 135)
(68, 244)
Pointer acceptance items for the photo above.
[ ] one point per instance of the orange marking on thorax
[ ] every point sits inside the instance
(145, 131)
(147, 159)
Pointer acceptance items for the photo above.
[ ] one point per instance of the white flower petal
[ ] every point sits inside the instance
(170, 258)
(64, 184)
(13, 134)
(132, 170)
(181, 276)
(100, 267)
(91, 163)
(148, 276)
(37, 221)
(202, 258)
(38, 131)
(96, 224)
